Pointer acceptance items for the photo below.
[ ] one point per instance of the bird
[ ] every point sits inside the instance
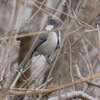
(48, 43)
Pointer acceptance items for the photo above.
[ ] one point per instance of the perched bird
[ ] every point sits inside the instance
(48, 43)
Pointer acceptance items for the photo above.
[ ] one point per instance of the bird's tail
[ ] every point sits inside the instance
(28, 60)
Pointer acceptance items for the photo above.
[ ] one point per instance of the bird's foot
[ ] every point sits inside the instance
(48, 60)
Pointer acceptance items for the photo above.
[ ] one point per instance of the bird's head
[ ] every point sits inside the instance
(52, 24)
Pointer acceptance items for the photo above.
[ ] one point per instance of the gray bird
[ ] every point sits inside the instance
(48, 42)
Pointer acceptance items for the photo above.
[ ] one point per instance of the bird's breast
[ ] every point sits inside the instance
(49, 46)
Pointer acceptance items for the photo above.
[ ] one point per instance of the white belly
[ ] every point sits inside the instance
(48, 47)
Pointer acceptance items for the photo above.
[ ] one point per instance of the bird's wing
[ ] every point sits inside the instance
(59, 39)
(41, 41)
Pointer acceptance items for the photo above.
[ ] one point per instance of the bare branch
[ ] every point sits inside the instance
(73, 95)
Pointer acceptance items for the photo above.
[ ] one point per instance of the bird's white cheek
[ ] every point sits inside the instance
(49, 27)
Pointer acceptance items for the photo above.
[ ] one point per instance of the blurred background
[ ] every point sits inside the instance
(20, 23)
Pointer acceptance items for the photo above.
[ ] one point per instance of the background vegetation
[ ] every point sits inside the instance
(74, 73)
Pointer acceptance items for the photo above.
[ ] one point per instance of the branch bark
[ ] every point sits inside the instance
(73, 95)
